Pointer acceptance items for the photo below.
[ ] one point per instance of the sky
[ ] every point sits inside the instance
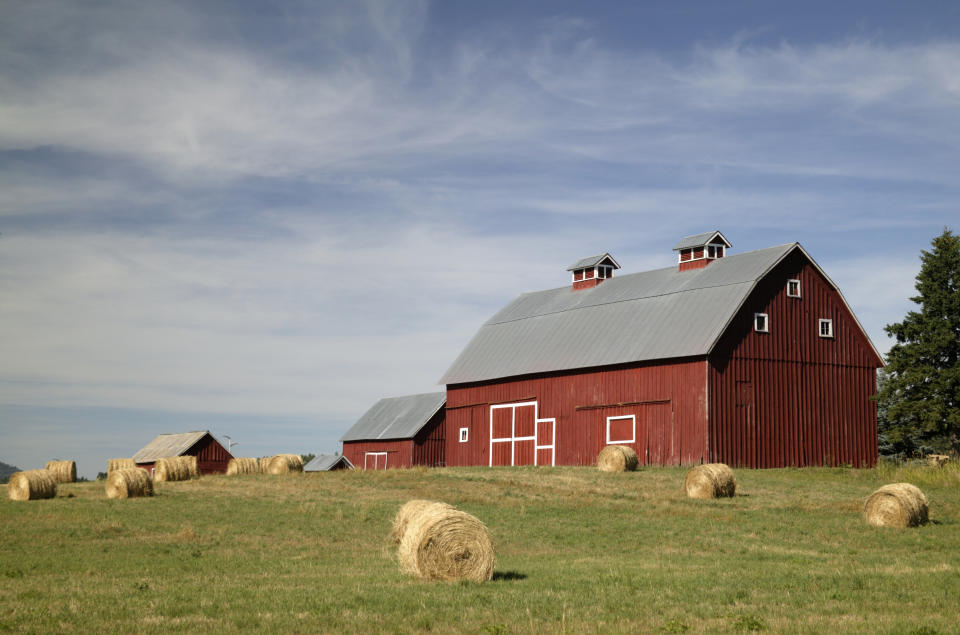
(260, 218)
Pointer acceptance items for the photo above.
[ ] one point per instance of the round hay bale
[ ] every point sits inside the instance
(409, 511)
(190, 465)
(63, 471)
(710, 480)
(31, 485)
(129, 483)
(284, 463)
(120, 464)
(442, 543)
(171, 469)
(617, 458)
(241, 465)
(265, 464)
(897, 505)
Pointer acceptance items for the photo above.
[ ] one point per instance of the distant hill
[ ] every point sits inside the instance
(6, 471)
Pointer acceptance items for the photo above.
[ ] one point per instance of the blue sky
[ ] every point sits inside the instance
(260, 218)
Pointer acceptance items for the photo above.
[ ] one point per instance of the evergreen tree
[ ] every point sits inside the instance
(919, 393)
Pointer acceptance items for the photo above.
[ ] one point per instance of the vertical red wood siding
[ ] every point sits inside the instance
(790, 397)
(212, 458)
(668, 401)
(399, 452)
(429, 443)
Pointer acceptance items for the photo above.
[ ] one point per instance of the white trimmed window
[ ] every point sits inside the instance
(621, 429)
(825, 328)
(793, 288)
(463, 435)
(761, 323)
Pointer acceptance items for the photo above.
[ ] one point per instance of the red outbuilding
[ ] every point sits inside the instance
(753, 360)
(398, 432)
(212, 458)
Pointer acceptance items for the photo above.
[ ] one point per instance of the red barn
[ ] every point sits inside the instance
(212, 458)
(753, 360)
(398, 432)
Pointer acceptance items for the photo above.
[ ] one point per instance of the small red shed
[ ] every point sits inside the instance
(398, 432)
(753, 359)
(212, 458)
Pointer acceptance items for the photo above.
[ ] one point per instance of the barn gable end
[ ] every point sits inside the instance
(398, 432)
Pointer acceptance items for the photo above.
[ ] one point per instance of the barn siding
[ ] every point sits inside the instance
(429, 443)
(399, 452)
(668, 400)
(212, 458)
(790, 397)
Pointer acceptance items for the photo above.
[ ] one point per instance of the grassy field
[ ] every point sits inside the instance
(577, 551)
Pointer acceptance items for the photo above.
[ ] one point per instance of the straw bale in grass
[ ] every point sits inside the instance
(129, 483)
(284, 463)
(171, 468)
(897, 505)
(442, 543)
(189, 462)
(242, 466)
(410, 510)
(617, 458)
(63, 471)
(120, 464)
(937, 460)
(710, 480)
(265, 464)
(31, 485)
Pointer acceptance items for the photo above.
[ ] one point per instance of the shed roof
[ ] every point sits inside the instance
(698, 240)
(396, 417)
(167, 445)
(324, 462)
(660, 314)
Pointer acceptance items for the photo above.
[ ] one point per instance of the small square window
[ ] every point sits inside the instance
(463, 435)
(761, 323)
(793, 288)
(826, 328)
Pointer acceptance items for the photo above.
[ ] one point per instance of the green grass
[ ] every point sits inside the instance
(577, 551)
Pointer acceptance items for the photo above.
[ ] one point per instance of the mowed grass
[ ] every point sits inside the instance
(577, 551)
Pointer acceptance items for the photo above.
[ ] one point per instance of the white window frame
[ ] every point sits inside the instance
(766, 323)
(793, 281)
(366, 455)
(464, 435)
(633, 429)
(829, 323)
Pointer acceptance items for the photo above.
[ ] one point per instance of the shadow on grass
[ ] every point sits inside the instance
(508, 575)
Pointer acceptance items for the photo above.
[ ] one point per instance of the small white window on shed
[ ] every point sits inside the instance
(793, 288)
(463, 435)
(826, 328)
(761, 323)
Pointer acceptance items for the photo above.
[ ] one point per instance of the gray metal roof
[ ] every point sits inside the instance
(592, 261)
(396, 417)
(324, 462)
(698, 240)
(657, 314)
(167, 445)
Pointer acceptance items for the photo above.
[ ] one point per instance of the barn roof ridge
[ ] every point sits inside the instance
(169, 444)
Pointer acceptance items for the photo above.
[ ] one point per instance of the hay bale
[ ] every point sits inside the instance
(710, 480)
(190, 464)
(617, 458)
(409, 511)
(284, 463)
(265, 464)
(129, 483)
(63, 471)
(897, 505)
(238, 466)
(120, 464)
(171, 468)
(31, 485)
(443, 543)
(937, 460)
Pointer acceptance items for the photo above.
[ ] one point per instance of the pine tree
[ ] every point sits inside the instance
(920, 391)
